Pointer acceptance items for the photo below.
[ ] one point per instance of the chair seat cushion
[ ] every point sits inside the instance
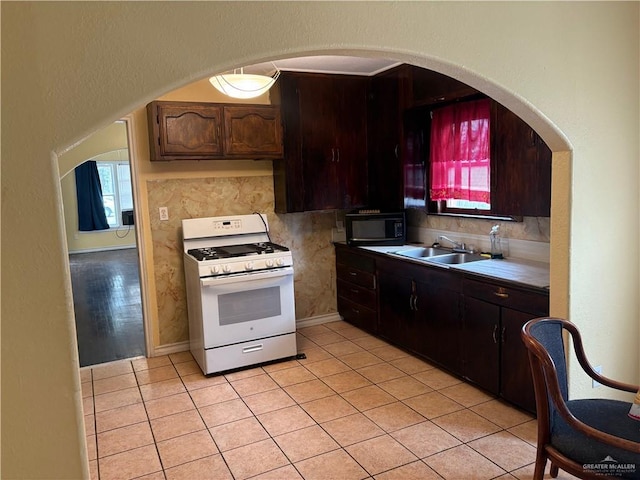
(609, 416)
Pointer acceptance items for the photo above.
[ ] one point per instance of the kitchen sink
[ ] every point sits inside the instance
(456, 258)
(441, 256)
(423, 252)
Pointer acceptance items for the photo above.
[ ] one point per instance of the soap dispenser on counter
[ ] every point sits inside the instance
(496, 246)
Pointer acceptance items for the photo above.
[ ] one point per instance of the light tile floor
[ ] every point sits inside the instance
(355, 408)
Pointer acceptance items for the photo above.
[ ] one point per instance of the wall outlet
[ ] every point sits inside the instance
(164, 213)
(339, 226)
(595, 384)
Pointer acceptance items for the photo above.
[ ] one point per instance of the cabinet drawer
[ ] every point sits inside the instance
(357, 314)
(534, 303)
(345, 256)
(357, 294)
(356, 276)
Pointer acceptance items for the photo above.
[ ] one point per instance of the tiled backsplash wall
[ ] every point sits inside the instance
(528, 239)
(308, 235)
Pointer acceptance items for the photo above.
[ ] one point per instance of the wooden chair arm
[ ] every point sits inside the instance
(586, 366)
(552, 384)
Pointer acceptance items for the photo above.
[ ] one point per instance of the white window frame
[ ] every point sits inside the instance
(113, 166)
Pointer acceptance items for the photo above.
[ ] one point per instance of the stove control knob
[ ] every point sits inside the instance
(215, 269)
(269, 263)
(226, 268)
(248, 266)
(280, 262)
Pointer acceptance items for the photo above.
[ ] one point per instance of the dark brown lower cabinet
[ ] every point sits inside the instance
(420, 311)
(481, 355)
(468, 325)
(494, 356)
(356, 288)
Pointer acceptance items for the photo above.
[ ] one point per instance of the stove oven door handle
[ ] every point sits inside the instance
(248, 277)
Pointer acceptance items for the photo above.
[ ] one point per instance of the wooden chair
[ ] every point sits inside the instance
(589, 438)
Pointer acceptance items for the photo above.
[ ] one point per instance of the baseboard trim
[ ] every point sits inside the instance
(170, 348)
(102, 249)
(318, 320)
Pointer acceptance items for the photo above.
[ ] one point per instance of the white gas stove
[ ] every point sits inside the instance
(239, 292)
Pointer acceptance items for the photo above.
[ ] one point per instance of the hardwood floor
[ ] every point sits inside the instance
(108, 310)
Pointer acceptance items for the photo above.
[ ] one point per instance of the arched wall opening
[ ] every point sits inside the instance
(544, 54)
(162, 312)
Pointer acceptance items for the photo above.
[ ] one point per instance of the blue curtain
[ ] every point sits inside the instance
(91, 215)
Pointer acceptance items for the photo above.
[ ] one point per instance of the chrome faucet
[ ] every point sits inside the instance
(457, 246)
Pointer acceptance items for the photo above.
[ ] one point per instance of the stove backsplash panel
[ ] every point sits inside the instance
(308, 235)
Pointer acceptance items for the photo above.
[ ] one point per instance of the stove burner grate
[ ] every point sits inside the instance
(230, 251)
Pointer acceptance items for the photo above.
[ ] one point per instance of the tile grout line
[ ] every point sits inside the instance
(153, 436)
(206, 427)
(502, 429)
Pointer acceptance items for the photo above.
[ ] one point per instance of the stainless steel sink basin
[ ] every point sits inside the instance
(456, 258)
(423, 252)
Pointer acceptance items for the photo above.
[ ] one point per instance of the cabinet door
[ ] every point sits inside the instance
(396, 308)
(325, 164)
(318, 112)
(254, 131)
(521, 170)
(480, 343)
(516, 382)
(184, 131)
(385, 127)
(351, 155)
(415, 157)
(439, 308)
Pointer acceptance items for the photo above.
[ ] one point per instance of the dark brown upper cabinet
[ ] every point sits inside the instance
(325, 161)
(520, 166)
(400, 105)
(387, 102)
(212, 131)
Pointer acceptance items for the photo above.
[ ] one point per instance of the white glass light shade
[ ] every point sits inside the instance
(242, 85)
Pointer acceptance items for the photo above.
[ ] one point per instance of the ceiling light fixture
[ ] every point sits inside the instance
(244, 85)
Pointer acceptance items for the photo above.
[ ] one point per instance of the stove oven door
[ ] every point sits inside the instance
(240, 308)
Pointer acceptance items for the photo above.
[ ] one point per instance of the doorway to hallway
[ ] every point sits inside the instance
(107, 303)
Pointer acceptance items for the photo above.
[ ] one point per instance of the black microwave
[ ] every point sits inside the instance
(375, 228)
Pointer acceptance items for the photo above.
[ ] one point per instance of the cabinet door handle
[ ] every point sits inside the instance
(501, 293)
(412, 299)
(338, 155)
(356, 311)
(355, 290)
(495, 331)
(353, 274)
(395, 150)
(502, 334)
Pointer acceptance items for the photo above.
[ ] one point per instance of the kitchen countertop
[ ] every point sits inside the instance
(524, 272)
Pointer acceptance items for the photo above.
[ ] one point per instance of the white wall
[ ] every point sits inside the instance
(70, 68)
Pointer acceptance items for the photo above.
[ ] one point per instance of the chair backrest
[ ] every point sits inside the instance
(548, 334)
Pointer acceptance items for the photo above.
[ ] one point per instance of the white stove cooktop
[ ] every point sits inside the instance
(231, 245)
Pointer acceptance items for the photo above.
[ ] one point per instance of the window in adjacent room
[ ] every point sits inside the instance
(115, 178)
(460, 159)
